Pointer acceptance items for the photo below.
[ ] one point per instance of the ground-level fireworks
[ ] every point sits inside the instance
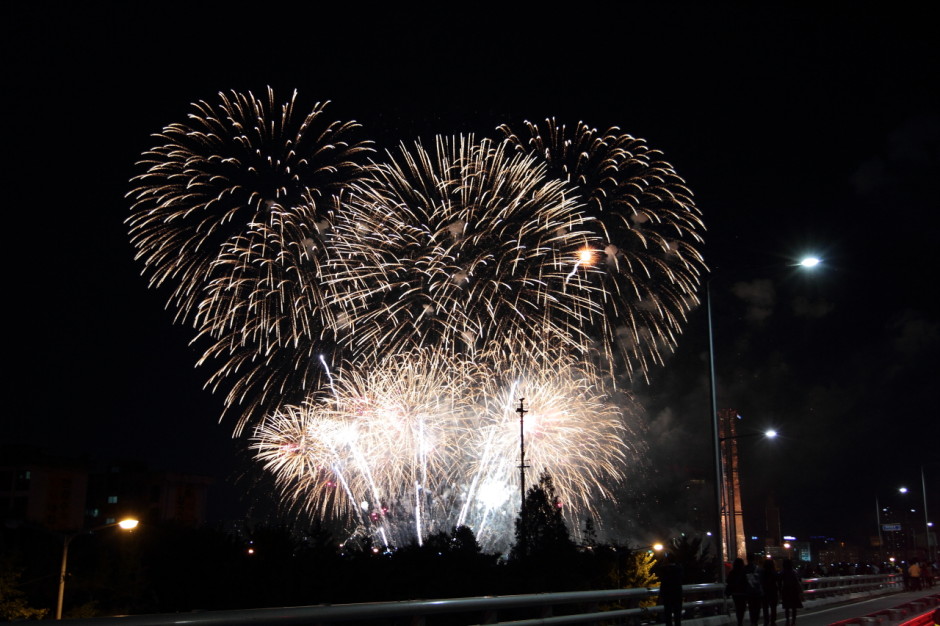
(420, 443)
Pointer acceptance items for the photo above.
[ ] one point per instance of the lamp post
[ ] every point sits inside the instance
(927, 524)
(807, 263)
(730, 498)
(126, 524)
(923, 491)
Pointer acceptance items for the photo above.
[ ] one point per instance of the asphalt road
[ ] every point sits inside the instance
(826, 615)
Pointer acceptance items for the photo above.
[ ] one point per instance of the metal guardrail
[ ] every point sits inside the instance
(580, 606)
(570, 607)
(818, 588)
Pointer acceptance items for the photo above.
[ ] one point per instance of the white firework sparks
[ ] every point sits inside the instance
(449, 282)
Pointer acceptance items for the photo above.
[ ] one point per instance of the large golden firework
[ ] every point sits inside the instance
(447, 282)
(646, 235)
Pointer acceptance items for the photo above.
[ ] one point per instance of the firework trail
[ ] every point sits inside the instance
(646, 228)
(447, 282)
(231, 212)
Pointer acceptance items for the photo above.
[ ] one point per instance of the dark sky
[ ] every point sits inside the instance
(797, 132)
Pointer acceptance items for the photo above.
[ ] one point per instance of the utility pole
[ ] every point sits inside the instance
(522, 466)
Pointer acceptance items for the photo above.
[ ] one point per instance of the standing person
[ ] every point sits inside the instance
(913, 573)
(755, 594)
(770, 584)
(791, 592)
(737, 588)
(670, 590)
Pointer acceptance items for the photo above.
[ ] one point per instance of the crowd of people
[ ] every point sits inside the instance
(919, 575)
(758, 590)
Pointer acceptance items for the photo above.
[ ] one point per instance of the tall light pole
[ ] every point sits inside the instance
(806, 263)
(732, 514)
(923, 491)
(126, 524)
(715, 434)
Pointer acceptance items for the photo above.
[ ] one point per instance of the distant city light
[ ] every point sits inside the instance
(810, 261)
(903, 489)
(770, 434)
(789, 538)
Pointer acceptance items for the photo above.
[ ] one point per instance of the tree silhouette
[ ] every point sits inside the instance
(694, 556)
(541, 531)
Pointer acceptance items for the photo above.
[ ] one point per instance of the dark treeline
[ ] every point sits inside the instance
(167, 568)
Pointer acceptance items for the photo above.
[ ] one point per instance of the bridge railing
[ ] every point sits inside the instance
(833, 586)
(611, 606)
(569, 607)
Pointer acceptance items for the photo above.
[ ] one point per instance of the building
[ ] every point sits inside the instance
(42, 489)
(131, 489)
(65, 495)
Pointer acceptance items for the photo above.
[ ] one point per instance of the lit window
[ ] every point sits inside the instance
(110, 520)
(112, 499)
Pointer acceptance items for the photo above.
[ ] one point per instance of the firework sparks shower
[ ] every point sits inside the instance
(374, 317)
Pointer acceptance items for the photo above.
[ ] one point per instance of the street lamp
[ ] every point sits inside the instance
(808, 262)
(730, 490)
(927, 524)
(125, 524)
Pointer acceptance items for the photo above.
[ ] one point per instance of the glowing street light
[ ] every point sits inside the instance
(809, 262)
(124, 524)
(927, 524)
(728, 500)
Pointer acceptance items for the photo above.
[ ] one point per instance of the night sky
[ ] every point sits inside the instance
(797, 133)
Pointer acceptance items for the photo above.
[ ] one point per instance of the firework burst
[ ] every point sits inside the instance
(379, 446)
(646, 231)
(573, 430)
(448, 282)
(424, 442)
(231, 212)
(459, 247)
